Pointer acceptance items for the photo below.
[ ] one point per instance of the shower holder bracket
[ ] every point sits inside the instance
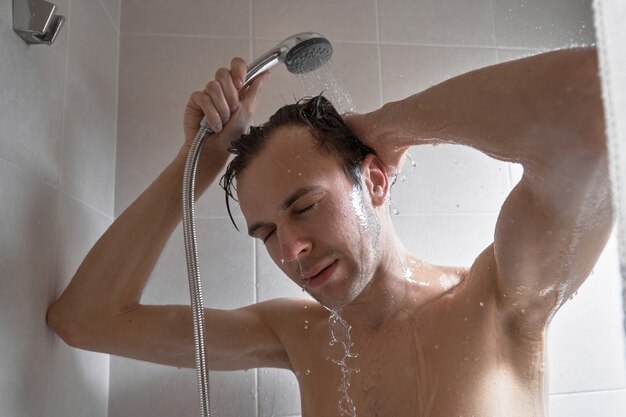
(36, 21)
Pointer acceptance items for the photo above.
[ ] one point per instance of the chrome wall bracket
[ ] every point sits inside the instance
(36, 21)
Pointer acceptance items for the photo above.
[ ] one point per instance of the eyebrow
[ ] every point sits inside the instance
(293, 197)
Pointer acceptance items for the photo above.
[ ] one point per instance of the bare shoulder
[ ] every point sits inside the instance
(283, 313)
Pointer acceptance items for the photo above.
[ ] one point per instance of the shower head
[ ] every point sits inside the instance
(301, 53)
(308, 55)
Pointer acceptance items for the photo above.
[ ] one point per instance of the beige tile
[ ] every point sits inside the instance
(31, 99)
(353, 72)
(27, 257)
(187, 17)
(410, 69)
(226, 267)
(91, 107)
(279, 393)
(444, 22)
(450, 179)
(543, 24)
(146, 389)
(157, 76)
(347, 20)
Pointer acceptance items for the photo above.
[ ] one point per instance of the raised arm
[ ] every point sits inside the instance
(100, 310)
(544, 112)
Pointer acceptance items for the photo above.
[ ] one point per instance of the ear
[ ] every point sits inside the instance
(375, 179)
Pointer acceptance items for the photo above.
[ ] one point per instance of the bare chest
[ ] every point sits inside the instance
(413, 368)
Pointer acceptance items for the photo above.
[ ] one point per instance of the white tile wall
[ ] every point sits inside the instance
(543, 24)
(605, 403)
(91, 103)
(27, 259)
(443, 22)
(450, 179)
(32, 88)
(222, 18)
(347, 20)
(384, 50)
(113, 9)
(53, 205)
(409, 69)
(79, 380)
(157, 76)
(141, 388)
(591, 322)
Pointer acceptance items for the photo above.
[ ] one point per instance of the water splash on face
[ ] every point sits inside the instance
(340, 336)
(356, 198)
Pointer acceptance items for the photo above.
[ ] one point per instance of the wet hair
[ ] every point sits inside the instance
(332, 135)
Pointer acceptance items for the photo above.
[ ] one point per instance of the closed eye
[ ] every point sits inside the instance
(307, 208)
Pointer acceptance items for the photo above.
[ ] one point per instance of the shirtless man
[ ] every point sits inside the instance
(475, 349)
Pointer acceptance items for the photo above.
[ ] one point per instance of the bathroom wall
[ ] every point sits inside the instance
(58, 116)
(384, 50)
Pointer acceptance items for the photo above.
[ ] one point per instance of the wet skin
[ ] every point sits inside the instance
(425, 346)
(424, 349)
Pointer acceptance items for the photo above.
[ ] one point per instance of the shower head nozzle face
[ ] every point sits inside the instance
(308, 55)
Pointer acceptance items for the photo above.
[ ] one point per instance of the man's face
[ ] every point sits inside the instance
(318, 228)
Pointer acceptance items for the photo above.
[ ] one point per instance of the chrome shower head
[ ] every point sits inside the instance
(308, 55)
(300, 53)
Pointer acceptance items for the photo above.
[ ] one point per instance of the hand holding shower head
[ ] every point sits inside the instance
(300, 53)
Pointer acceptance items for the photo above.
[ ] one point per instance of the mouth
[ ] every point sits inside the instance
(322, 277)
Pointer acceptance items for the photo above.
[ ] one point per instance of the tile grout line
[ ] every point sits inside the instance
(493, 25)
(117, 116)
(257, 396)
(380, 57)
(608, 390)
(106, 11)
(375, 42)
(57, 195)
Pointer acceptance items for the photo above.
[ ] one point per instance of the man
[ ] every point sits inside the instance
(431, 340)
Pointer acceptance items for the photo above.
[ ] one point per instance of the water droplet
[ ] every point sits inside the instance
(307, 372)
(481, 304)
(282, 260)
(305, 307)
(413, 163)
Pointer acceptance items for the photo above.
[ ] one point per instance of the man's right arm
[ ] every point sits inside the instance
(100, 310)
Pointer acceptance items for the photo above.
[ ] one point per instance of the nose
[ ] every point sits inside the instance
(293, 243)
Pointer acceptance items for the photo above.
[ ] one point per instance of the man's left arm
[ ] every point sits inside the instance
(544, 112)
